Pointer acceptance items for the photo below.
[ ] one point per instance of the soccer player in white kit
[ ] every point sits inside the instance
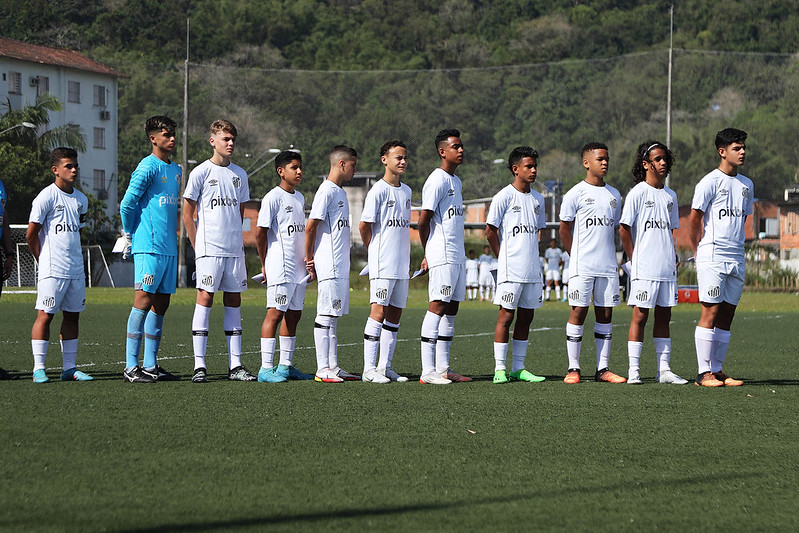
(327, 257)
(279, 237)
(472, 275)
(722, 201)
(385, 231)
(57, 215)
(554, 258)
(214, 196)
(589, 213)
(515, 219)
(441, 233)
(648, 220)
(485, 279)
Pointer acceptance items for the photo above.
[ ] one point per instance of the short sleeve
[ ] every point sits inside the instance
(369, 213)
(675, 211)
(432, 193)
(266, 213)
(703, 195)
(39, 209)
(541, 223)
(568, 208)
(496, 211)
(194, 185)
(320, 203)
(628, 211)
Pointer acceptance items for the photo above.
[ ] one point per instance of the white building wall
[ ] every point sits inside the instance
(84, 113)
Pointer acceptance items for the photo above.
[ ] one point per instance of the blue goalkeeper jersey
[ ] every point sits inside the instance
(149, 209)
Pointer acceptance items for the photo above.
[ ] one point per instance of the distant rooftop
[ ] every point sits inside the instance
(46, 55)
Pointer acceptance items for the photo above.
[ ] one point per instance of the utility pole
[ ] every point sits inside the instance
(668, 92)
(182, 274)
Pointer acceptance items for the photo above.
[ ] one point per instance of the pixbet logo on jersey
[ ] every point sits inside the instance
(295, 228)
(656, 224)
(731, 212)
(455, 212)
(342, 223)
(66, 227)
(398, 223)
(598, 221)
(167, 200)
(224, 202)
(522, 228)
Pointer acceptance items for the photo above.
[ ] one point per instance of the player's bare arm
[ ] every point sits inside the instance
(492, 236)
(189, 215)
(626, 239)
(260, 245)
(365, 229)
(695, 228)
(425, 216)
(566, 235)
(32, 238)
(310, 240)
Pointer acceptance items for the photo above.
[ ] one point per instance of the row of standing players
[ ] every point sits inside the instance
(294, 252)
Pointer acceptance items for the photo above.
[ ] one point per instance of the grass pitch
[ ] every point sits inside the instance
(112, 456)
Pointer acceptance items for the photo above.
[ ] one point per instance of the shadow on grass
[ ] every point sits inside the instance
(325, 516)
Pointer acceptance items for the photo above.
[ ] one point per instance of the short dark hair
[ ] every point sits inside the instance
(728, 136)
(389, 145)
(519, 153)
(589, 147)
(224, 125)
(443, 135)
(159, 122)
(642, 154)
(341, 152)
(285, 157)
(62, 153)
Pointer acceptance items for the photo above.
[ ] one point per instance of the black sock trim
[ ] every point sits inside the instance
(442, 338)
(233, 332)
(373, 338)
(430, 340)
(320, 326)
(199, 332)
(570, 338)
(606, 336)
(390, 328)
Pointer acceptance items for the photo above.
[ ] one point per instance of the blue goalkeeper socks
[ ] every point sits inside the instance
(133, 341)
(152, 339)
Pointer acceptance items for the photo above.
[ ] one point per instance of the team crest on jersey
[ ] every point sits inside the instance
(669, 205)
(381, 294)
(745, 192)
(147, 279)
(213, 183)
(714, 291)
(48, 301)
(337, 305)
(649, 203)
(164, 179)
(537, 208)
(407, 204)
(451, 192)
(516, 208)
(446, 290)
(237, 182)
(507, 298)
(208, 280)
(613, 203)
(390, 203)
(642, 296)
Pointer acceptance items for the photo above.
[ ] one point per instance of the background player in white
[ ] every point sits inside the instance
(385, 231)
(215, 195)
(554, 259)
(327, 257)
(441, 233)
(648, 221)
(722, 201)
(515, 220)
(485, 278)
(57, 215)
(589, 213)
(279, 237)
(472, 275)
(564, 278)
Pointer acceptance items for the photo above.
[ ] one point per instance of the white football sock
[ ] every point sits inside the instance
(69, 353)
(446, 331)
(429, 341)
(703, 340)
(634, 349)
(321, 337)
(519, 354)
(332, 352)
(286, 350)
(39, 349)
(603, 334)
(371, 343)
(500, 354)
(199, 334)
(663, 353)
(388, 343)
(721, 342)
(548, 292)
(267, 352)
(557, 292)
(574, 341)
(232, 323)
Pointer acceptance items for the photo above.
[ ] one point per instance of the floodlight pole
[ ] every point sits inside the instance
(182, 282)
(668, 91)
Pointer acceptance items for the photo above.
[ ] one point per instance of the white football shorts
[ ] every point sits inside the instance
(393, 292)
(333, 297)
(447, 283)
(286, 296)
(512, 295)
(227, 274)
(605, 291)
(647, 294)
(59, 294)
(720, 281)
(553, 275)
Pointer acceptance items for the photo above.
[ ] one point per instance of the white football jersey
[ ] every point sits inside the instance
(566, 259)
(553, 256)
(472, 268)
(388, 210)
(332, 246)
(283, 216)
(519, 217)
(485, 263)
(62, 216)
(595, 212)
(726, 201)
(219, 193)
(652, 214)
(442, 194)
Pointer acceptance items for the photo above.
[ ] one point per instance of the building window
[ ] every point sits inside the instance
(99, 137)
(99, 180)
(769, 227)
(14, 83)
(43, 86)
(99, 95)
(73, 92)
(792, 223)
